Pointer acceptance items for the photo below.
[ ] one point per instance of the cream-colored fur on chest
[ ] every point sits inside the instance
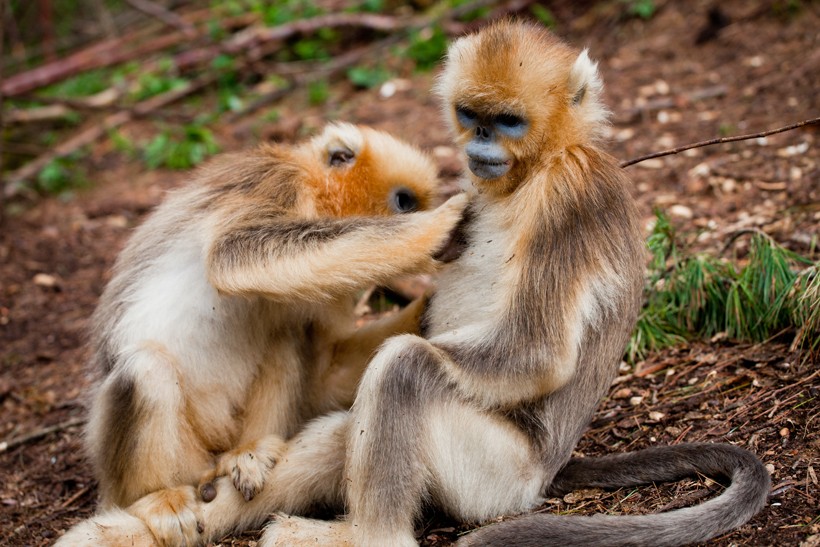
(459, 313)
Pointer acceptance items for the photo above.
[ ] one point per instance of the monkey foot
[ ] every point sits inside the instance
(171, 515)
(285, 530)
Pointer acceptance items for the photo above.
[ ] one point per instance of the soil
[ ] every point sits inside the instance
(664, 89)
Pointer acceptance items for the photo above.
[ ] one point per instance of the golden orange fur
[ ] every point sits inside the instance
(228, 322)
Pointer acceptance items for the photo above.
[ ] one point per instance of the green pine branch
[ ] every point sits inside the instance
(699, 295)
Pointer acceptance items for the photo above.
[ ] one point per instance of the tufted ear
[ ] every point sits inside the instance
(585, 88)
(584, 79)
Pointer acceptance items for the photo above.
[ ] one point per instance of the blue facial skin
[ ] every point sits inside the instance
(486, 156)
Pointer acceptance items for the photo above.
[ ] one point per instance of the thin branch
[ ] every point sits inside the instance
(39, 434)
(168, 17)
(95, 130)
(719, 141)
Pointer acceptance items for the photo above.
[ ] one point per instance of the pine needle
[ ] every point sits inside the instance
(691, 296)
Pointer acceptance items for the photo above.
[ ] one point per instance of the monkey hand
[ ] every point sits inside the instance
(170, 515)
(247, 466)
(451, 218)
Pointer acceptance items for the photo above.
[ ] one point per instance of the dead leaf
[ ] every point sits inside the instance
(581, 495)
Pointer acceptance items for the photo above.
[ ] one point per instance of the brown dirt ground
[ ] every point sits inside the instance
(759, 72)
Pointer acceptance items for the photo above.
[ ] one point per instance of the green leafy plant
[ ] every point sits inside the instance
(284, 11)
(150, 84)
(544, 15)
(180, 148)
(318, 92)
(367, 78)
(427, 47)
(81, 85)
(61, 175)
(690, 295)
(643, 9)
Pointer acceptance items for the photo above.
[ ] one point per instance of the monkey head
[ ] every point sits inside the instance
(515, 96)
(361, 171)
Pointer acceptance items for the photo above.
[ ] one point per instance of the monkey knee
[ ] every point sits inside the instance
(137, 434)
(404, 370)
(155, 374)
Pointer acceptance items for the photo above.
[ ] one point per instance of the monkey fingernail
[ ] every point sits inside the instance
(207, 492)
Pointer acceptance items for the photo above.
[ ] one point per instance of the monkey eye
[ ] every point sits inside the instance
(465, 116)
(509, 120)
(341, 156)
(403, 200)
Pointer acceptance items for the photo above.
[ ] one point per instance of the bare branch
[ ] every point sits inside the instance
(39, 434)
(96, 130)
(169, 18)
(718, 141)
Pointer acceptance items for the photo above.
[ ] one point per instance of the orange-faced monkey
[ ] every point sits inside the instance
(228, 322)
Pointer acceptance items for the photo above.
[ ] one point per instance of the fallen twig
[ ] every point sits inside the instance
(77, 495)
(39, 434)
(95, 130)
(168, 17)
(722, 140)
(107, 53)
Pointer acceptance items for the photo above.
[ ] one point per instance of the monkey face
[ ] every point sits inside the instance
(514, 93)
(368, 172)
(487, 155)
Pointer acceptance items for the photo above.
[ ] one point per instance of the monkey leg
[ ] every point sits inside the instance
(271, 414)
(111, 528)
(309, 475)
(139, 435)
(351, 355)
(413, 438)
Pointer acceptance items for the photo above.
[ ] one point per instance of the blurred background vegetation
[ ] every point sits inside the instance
(76, 71)
(186, 64)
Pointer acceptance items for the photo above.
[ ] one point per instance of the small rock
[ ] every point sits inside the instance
(635, 401)
(681, 211)
(622, 393)
(45, 280)
(657, 416)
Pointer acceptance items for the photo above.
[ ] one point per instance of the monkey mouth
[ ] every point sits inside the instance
(488, 169)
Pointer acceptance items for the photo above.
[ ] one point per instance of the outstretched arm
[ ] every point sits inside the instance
(321, 259)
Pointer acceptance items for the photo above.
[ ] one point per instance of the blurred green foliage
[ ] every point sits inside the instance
(180, 147)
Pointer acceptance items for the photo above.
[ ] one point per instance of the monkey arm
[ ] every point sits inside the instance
(504, 377)
(351, 355)
(321, 259)
(536, 345)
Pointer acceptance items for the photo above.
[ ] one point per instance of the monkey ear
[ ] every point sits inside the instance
(584, 81)
(585, 87)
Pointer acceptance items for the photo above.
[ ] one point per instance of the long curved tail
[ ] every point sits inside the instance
(745, 496)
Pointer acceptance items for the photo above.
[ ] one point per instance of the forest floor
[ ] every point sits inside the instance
(759, 72)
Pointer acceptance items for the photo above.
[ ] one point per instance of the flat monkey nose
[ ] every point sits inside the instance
(482, 132)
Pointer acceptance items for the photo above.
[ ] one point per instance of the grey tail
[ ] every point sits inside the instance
(745, 496)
